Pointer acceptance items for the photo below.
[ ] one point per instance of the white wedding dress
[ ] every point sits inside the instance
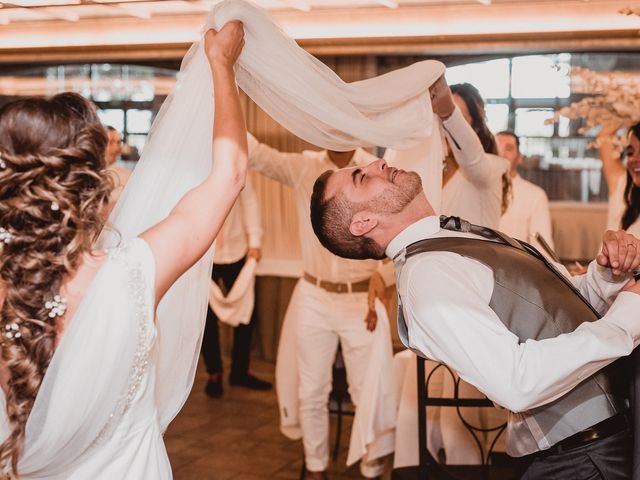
(95, 415)
(117, 379)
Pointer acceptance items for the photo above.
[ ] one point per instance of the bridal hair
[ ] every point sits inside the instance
(475, 104)
(631, 192)
(53, 188)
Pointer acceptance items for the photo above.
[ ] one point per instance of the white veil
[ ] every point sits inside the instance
(301, 93)
(91, 369)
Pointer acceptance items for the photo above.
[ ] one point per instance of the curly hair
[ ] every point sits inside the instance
(475, 104)
(53, 187)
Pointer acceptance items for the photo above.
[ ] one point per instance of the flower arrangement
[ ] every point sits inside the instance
(613, 98)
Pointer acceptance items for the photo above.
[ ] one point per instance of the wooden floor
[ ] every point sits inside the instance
(237, 437)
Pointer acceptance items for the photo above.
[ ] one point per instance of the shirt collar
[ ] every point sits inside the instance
(423, 228)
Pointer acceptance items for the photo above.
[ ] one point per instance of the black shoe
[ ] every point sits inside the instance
(214, 388)
(249, 381)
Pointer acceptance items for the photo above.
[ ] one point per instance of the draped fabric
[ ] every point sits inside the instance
(303, 95)
(298, 91)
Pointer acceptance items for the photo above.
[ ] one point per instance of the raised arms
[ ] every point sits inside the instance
(188, 231)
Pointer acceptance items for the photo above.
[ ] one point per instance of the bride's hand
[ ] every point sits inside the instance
(224, 47)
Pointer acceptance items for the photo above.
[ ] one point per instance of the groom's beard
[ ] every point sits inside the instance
(395, 198)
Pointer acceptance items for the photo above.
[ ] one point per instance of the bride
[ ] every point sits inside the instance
(78, 335)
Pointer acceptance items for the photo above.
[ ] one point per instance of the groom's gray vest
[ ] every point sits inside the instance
(533, 301)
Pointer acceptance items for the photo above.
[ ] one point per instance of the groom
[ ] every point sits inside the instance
(495, 312)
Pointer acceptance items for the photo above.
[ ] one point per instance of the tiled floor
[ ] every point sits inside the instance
(237, 437)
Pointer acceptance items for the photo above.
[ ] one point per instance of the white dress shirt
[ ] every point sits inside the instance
(616, 209)
(474, 192)
(528, 212)
(445, 299)
(241, 230)
(300, 171)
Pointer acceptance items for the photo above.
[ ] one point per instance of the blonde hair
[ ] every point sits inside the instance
(53, 188)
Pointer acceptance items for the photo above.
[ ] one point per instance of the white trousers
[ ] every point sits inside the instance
(322, 319)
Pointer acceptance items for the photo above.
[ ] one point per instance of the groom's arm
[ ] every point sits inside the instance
(446, 307)
(614, 266)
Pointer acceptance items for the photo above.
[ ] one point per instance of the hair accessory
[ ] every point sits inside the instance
(57, 306)
(12, 330)
(5, 235)
(3, 164)
(54, 206)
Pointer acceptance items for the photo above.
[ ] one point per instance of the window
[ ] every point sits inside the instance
(127, 96)
(497, 116)
(112, 118)
(531, 122)
(139, 121)
(541, 76)
(490, 78)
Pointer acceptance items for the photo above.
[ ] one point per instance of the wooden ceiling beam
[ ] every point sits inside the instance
(438, 46)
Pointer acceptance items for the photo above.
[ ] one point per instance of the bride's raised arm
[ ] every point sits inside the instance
(179, 240)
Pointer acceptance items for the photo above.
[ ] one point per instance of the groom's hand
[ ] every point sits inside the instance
(620, 252)
(224, 47)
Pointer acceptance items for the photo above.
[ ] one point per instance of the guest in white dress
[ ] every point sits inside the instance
(473, 185)
(79, 340)
(472, 180)
(528, 212)
(623, 183)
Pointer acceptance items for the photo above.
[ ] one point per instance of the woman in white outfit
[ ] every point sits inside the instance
(71, 315)
(473, 174)
(623, 182)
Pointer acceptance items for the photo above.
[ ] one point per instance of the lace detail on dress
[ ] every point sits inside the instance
(137, 287)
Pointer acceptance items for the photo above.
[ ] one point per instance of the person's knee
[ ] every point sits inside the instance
(314, 396)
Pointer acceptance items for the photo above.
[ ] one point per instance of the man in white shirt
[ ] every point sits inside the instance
(528, 211)
(329, 304)
(238, 241)
(377, 211)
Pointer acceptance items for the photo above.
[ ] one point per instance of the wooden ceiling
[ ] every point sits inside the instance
(34, 30)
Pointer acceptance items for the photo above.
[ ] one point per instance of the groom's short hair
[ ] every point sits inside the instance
(330, 219)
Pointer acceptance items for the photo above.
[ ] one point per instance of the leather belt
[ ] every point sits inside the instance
(604, 429)
(362, 286)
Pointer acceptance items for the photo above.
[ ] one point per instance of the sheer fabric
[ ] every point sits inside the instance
(301, 93)
(90, 372)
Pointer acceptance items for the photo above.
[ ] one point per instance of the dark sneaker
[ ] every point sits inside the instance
(249, 381)
(214, 388)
